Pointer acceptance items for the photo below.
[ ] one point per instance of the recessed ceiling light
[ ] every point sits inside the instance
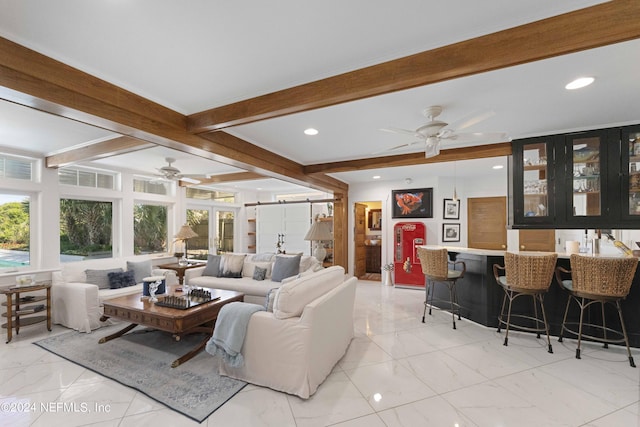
(579, 83)
(376, 177)
(311, 131)
(498, 167)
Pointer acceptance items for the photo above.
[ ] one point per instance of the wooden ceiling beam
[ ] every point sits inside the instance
(227, 177)
(33, 80)
(600, 25)
(99, 150)
(448, 155)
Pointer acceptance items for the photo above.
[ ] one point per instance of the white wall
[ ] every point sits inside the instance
(494, 184)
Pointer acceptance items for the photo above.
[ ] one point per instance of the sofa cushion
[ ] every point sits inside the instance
(250, 266)
(295, 295)
(231, 265)
(263, 257)
(213, 266)
(285, 266)
(121, 279)
(245, 285)
(140, 269)
(100, 277)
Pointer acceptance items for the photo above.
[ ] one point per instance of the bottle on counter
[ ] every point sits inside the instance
(618, 244)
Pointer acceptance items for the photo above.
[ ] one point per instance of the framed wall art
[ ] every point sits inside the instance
(451, 209)
(450, 232)
(414, 203)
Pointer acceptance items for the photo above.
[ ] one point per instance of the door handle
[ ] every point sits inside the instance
(522, 247)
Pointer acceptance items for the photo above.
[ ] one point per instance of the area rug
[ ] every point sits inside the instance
(142, 360)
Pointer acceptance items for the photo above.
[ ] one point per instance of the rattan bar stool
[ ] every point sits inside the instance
(435, 267)
(597, 280)
(530, 275)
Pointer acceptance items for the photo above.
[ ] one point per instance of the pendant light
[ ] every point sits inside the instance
(455, 193)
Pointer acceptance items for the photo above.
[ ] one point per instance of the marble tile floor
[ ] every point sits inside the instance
(396, 372)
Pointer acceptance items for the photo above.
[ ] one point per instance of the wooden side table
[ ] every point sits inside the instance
(180, 269)
(20, 309)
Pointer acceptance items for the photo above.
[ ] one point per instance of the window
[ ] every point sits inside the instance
(15, 221)
(150, 186)
(211, 195)
(85, 229)
(84, 177)
(16, 167)
(149, 229)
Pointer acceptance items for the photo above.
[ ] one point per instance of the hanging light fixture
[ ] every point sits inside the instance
(455, 193)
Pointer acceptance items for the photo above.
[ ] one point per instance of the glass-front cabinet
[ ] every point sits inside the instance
(631, 140)
(533, 181)
(586, 179)
(585, 155)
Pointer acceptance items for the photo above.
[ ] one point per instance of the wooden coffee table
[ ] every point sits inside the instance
(140, 311)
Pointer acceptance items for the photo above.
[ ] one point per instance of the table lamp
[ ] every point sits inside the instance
(319, 232)
(185, 233)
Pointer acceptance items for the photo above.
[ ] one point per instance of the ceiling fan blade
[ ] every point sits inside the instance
(399, 130)
(398, 147)
(488, 137)
(189, 180)
(466, 121)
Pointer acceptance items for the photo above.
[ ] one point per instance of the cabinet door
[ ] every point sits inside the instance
(631, 173)
(533, 181)
(585, 155)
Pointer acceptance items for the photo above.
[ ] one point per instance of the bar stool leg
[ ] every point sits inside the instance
(564, 319)
(604, 326)
(501, 315)
(426, 298)
(451, 299)
(535, 314)
(581, 303)
(624, 333)
(546, 325)
(506, 336)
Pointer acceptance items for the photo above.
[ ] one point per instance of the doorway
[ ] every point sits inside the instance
(368, 232)
(208, 222)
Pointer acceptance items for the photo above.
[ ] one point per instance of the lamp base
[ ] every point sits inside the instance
(320, 252)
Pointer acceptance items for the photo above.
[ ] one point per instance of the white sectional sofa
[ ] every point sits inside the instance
(255, 291)
(77, 304)
(295, 347)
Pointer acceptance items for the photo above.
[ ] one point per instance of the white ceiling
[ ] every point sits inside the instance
(202, 54)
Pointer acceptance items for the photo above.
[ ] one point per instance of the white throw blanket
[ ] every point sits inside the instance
(230, 330)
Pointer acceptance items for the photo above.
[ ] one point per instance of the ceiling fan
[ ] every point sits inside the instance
(172, 173)
(435, 131)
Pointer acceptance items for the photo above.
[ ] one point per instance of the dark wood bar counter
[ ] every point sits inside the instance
(480, 297)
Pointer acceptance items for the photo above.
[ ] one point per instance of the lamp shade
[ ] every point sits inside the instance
(319, 231)
(185, 233)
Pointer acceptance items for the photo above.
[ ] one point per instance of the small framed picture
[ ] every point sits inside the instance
(450, 232)
(451, 209)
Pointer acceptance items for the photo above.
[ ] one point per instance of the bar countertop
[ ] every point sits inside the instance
(494, 252)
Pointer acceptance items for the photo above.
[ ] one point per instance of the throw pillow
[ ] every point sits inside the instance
(271, 297)
(285, 266)
(231, 265)
(259, 273)
(100, 277)
(121, 279)
(140, 269)
(213, 266)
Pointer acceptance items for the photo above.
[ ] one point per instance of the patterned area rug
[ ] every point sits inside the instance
(142, 360)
